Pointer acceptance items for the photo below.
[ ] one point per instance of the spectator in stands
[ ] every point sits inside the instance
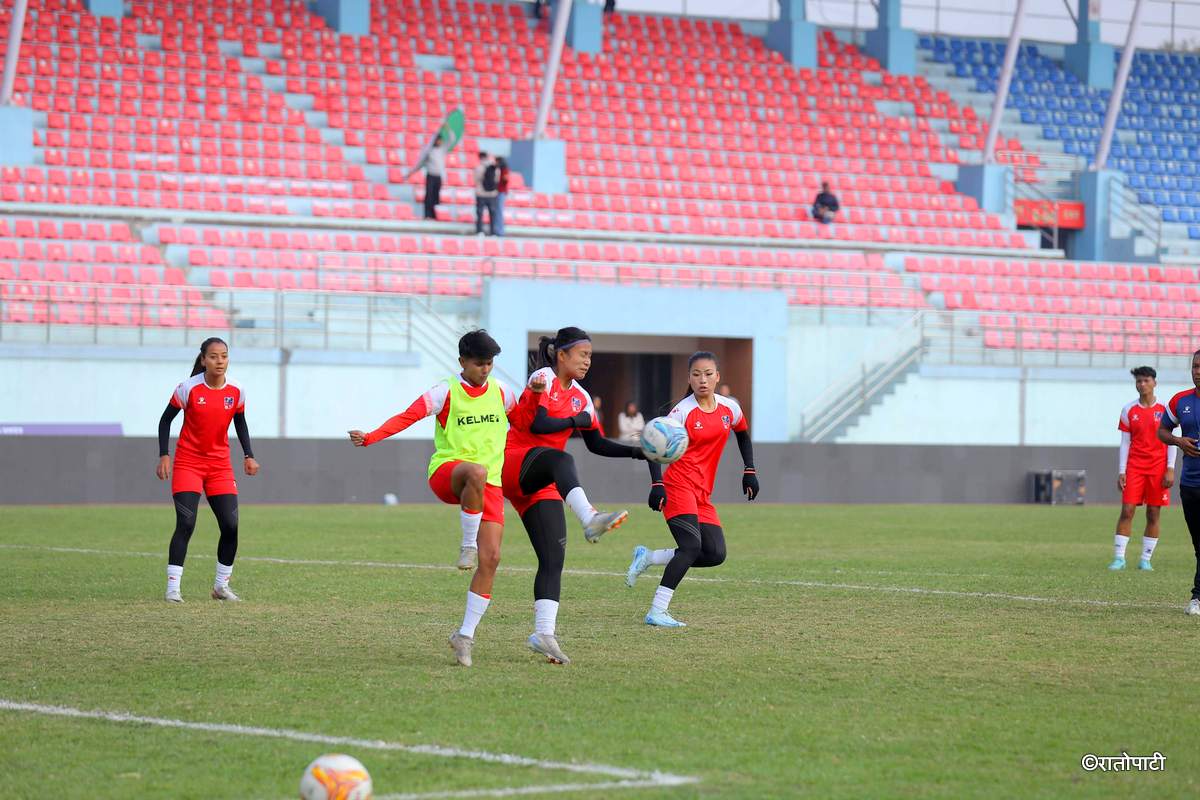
(825, 207)
(539, 7)
(435, 167)
(725, 391)
(487, 176)
(596, 404)
(610, 7)
(501, 194)
(630, 424)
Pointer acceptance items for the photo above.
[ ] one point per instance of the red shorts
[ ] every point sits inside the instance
(493, 500)
(690, 500)
(512, 482)
(1144, 488)
(212, 478)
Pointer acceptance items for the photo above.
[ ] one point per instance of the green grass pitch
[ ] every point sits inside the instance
(869, 651)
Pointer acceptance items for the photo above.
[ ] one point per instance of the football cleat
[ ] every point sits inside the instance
(1145, 564)
(461, 645)
(641, 560)
(1117, 563)
(468, 558)
(602, 523)
(174, 597)
(662, 619)
(547, 645)
(1193, 609)
(224, 593)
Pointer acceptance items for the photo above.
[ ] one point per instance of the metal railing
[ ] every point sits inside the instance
(104, 313)
(997, 339)
(850, 394)
(1125, 208)
(1035, 189)
(1005, 338)
(1164, 27)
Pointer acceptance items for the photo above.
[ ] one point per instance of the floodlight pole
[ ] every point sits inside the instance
(1118, 92)
(16, 30)
(1006, 73)
(562, 11)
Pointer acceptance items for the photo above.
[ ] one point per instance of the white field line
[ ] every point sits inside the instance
(522, 791)
(855, 587)
(628, 778)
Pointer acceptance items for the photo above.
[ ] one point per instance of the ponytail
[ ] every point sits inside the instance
(198, 366)
(548, 348)
(544, 355)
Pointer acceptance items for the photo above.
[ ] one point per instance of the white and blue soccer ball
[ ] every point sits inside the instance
(664, 440)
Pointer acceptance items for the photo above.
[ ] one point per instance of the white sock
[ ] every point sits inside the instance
(1148, 546)
(477, 604)
(470, 528)
(662, 599)
(545, 616)
(660, 558)
(174, 577)
(1119, 543)
(579, 504)
(223, 573)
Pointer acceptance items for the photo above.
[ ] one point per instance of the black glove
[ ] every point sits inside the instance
(749, 483)
(581, 420)
(638, 454)
(658, 497)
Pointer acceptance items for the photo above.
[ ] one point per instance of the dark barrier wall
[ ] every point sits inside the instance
(115, 470)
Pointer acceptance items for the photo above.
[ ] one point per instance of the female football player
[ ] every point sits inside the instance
(683, 493)
(209, 401)
(539, 476)
(472, 424)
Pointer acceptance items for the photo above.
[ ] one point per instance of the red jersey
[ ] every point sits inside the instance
(207, 413)
(558, 402)
(707, 433)
(1146, 453)
(437, 401)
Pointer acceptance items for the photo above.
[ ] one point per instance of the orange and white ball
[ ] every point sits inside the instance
(335, 776)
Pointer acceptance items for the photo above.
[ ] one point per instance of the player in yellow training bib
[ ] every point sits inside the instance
(472, 420)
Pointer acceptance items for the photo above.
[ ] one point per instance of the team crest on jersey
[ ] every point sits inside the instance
(228, 403)
(726, 420)
(1157, 416)
(576, 404)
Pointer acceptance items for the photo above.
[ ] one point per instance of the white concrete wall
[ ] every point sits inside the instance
(105, 385)
(983, 406)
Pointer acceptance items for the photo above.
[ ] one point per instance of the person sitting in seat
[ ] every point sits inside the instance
(825, 206)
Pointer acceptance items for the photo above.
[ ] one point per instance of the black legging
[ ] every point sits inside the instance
(1189, 498)
(546, 525)
(225, 508)
(698, 544)
(545, 521)
(543, 466)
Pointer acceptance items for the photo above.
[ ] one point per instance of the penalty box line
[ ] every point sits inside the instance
(916, 590)
(626, 778)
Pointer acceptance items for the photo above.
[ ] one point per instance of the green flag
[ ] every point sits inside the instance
(451, 131)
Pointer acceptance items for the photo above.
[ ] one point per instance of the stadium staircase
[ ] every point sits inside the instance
(1058, 117)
